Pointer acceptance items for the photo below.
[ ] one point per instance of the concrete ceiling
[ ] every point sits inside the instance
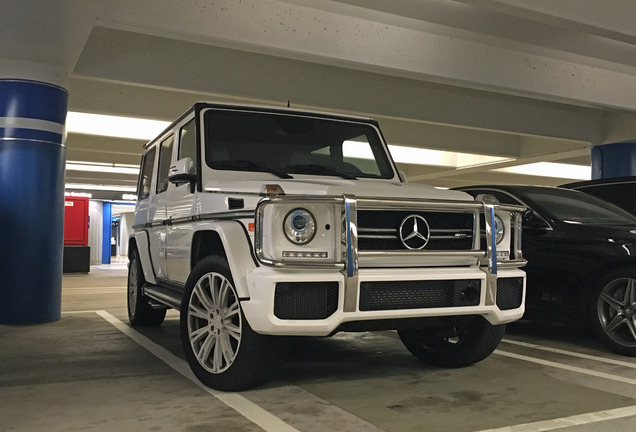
(528, 81)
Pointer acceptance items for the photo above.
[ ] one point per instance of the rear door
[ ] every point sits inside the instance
(159, 202)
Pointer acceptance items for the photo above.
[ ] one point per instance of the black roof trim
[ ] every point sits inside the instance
(575, 185)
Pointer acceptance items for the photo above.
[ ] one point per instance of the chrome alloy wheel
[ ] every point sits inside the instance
(214, 322)
(616, 310)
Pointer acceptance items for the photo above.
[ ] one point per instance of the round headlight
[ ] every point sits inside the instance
(343, 231)
(500, 229)
(299, 226)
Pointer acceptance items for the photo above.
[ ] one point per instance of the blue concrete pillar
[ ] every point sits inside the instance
(613, 160)
(107, 230)
(32, 161)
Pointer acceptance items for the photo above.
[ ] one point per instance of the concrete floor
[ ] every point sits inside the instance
(90, 371)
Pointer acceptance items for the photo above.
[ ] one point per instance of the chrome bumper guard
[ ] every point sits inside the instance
(350, 265)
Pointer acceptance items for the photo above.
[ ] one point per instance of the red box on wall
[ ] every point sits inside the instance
(76, 221)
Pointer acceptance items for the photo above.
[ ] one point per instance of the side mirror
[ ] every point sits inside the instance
(402, 176)
(533, 221)
(183, 172)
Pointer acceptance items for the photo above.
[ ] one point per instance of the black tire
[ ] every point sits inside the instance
(613, 311)
(220, 346)
(140, 313)
(468, 341)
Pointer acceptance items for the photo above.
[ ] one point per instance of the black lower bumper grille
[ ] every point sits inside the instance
(418, 294)
(305, 300)
(509, 293)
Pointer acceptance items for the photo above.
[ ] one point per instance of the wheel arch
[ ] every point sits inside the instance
(139, 242)
(231, 241)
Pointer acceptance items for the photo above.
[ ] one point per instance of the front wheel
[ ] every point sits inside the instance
(220, 346)
(467, 341)
(613, 310)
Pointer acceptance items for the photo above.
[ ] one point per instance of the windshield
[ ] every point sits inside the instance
(284, 145)
(580, 208)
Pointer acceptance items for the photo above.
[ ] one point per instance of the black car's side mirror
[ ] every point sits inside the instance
(532, 221)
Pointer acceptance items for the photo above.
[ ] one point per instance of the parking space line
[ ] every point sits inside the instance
(94, 288)
(568, 368)
(88, 311)
(262, 418)
(571, 353)
(576, 420)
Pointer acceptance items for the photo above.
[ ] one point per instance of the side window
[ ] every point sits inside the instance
(188, 141)
(165, 156)
(504, 198)
(146, 174)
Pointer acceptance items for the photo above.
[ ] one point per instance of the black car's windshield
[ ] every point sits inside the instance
(286, 144)
(580, 208)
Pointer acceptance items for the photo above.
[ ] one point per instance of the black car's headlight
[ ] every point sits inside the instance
(299, 226)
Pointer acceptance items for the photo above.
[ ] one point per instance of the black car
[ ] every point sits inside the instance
(581, 254)
(618, 190)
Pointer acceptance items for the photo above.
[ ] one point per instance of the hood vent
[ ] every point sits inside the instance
(235, 203)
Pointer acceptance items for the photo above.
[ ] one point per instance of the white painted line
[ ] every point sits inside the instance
(264, 419)
(571, 353)
(93, 293)
(577, 420)
(568, 368)
(92, 311)
(29, 123)
(94, 288)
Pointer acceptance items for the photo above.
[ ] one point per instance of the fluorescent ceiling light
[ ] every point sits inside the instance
(102, 167)
(420, 156)
(114, 126)
(113, 188)
(144, 129)
(551, 169)
(79, 194)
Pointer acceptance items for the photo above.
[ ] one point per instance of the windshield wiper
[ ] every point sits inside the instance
(319, 169)
(245, 164)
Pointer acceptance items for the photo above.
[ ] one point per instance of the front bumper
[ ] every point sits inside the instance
(316, 303)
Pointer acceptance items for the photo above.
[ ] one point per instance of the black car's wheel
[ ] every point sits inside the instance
(221, 348)
(467, 342)
(613, 308)
(140, 313)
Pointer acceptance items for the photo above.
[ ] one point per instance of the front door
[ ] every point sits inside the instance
(181, 207)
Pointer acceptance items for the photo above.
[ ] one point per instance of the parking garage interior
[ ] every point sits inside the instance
(466, 92)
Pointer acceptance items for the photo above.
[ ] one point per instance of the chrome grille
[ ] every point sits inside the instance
(449, 230)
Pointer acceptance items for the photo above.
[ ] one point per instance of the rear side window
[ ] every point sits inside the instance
(165, 156)
(146, 174)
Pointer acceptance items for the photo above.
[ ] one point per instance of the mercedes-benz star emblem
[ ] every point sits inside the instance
(414, 232)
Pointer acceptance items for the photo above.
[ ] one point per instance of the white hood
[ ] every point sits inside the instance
(334, 187)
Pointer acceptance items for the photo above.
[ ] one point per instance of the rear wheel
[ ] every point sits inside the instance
(140, 313)
(221, 348)
(466, 342)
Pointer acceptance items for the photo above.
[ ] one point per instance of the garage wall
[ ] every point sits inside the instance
(95, 214)
(125, 232)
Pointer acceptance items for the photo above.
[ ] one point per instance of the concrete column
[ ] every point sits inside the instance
(614, 160)
(32, 161)
(107, 231)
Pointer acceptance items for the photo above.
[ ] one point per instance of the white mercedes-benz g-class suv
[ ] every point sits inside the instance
(259, 223)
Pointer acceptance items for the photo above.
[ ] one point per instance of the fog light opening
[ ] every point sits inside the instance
(469, 294)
